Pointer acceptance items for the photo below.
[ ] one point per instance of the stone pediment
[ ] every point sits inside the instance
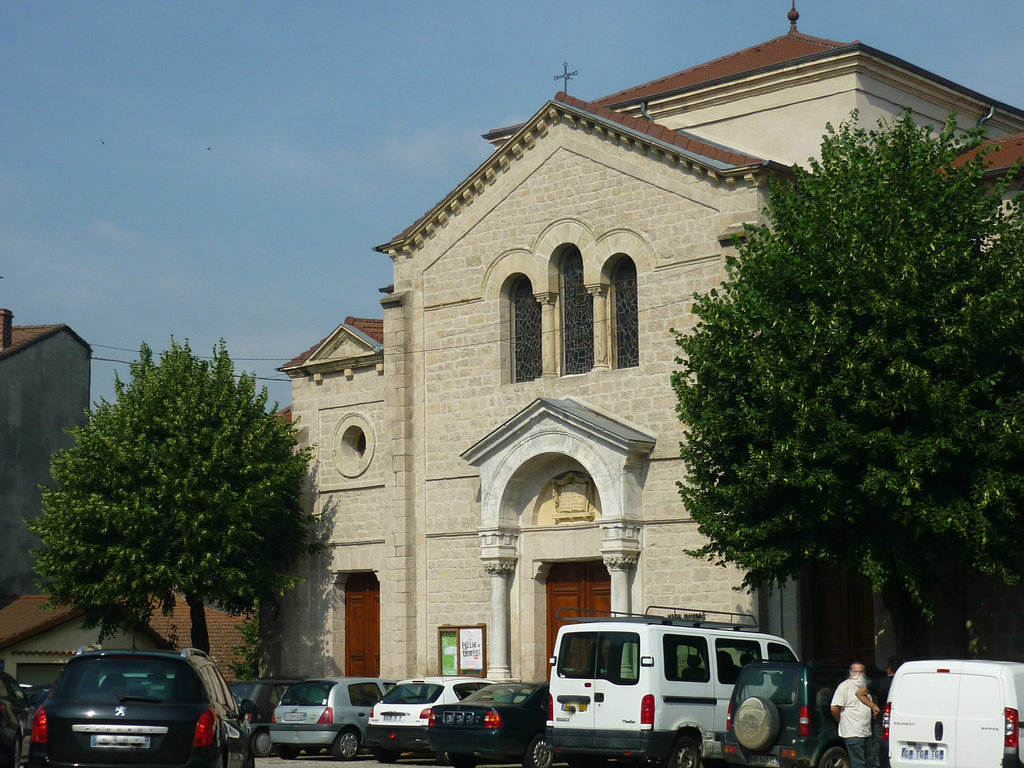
(344, 344)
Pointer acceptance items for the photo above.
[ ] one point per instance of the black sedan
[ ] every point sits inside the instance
(500, 723)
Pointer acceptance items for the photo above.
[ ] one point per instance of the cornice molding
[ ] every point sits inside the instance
(537, 128)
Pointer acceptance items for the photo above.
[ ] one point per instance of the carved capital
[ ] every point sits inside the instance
(620, 561)
(499, 567)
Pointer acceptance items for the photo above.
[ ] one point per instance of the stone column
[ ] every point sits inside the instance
(621, 567)
(602, 337)
(548, 334)
(498, 664)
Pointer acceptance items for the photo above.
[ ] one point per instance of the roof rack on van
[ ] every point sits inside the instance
(664, 614)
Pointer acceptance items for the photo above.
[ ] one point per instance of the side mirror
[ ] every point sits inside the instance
(247, 707)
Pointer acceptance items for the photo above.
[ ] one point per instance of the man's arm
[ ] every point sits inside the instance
(865, 697)
(836, 710)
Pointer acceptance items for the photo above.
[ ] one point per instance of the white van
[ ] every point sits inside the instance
(655, 685)
(955, 714)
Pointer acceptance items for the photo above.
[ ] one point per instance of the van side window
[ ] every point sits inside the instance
(779, 652)
(686, 659)
(732, 655)
(618, 659)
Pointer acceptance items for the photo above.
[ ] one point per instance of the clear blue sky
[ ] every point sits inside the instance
(206, 170)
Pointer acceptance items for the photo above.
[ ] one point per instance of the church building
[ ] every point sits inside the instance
(501, 450)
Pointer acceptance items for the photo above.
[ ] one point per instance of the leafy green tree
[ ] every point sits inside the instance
(247, 667)
(853, 392)
(185, 486)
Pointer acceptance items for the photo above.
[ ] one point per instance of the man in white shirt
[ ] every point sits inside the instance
(854, 716)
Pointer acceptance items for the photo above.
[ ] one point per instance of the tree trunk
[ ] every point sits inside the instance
(908, 623)
(197, 612)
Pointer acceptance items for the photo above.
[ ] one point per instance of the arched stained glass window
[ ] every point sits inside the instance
(526, 327)
(624, 297)
(577, 316)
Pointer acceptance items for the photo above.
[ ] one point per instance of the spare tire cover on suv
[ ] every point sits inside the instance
(756, 722)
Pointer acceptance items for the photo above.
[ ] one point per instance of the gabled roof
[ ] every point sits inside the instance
(22, 616)
(676, 147)
(368, 331)
(25, 616)
(24, 336)
(773, 53)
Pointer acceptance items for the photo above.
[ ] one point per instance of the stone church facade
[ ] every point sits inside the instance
(505, 443)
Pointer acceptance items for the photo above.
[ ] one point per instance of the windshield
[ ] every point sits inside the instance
(129, 678)
(502, 693)
(413, 693)
(242, 690)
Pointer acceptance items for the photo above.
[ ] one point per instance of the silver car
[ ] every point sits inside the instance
(329, 713)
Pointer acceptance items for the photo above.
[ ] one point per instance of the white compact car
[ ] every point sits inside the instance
(955, 713)
(398, 722)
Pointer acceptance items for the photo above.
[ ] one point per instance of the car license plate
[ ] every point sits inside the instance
(292, 717)
(574, 706)
(923, 752)
(392, 718)
(119, 741)
(767, 760)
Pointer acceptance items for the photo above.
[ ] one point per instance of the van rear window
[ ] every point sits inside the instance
(612, 656)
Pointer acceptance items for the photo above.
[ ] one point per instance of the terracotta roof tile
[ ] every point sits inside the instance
(22, 616)
(679, 139)
(372, 327)
(1005, 151)
(175, 629)
(780, 50)
(23, 336)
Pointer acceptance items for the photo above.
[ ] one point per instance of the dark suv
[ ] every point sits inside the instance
(141, 708)
(779, 716)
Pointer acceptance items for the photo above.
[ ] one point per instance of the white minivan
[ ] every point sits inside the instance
(651, 686)
(955, 714)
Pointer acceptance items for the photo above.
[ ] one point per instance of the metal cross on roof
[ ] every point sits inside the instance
(566, 75)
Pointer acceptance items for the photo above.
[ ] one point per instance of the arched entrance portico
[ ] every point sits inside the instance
(594, 468)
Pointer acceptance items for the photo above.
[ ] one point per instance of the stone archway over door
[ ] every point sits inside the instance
(362, 625)
(585, 587)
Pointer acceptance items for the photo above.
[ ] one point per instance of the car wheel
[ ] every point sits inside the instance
(262, 743)
(685, 754)
(462, 761)
(345, 746)
(285, 752)
(385, 755)
(538, 753)
(834, 757)
(756, 723)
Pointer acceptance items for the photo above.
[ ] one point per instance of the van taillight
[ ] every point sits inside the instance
(728, 718)
(647, 710)
(426, 713)
(40, 729)
(1012, 725)
(886, 715)
(804, 729)
(551, 707)
(493, 721)
(206, 730)
(431, 718)
(327, 718)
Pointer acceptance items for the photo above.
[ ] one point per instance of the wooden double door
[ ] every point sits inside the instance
(576, 589)
(362, 625)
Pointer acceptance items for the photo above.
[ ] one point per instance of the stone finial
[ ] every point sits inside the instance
(793, 15)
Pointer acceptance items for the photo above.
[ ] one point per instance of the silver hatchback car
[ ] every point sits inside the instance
(329, 713)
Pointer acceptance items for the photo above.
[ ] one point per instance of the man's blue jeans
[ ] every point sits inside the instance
(857, 748)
